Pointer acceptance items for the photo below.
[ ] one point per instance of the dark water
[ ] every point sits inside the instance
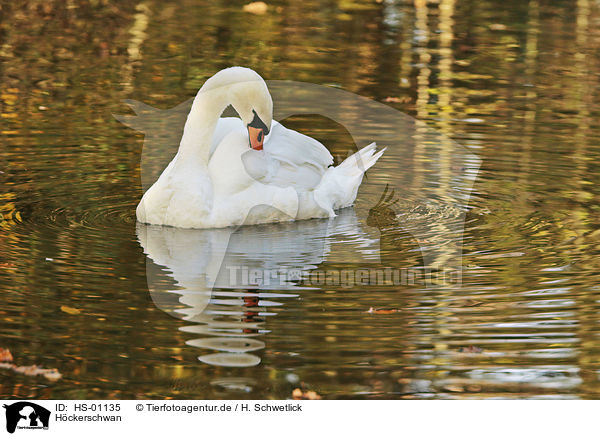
(124, 311)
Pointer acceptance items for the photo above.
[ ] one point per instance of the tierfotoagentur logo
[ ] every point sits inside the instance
(405, 228)
(25, 415)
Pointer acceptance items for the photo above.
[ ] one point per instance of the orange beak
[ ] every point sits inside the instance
(257, 137)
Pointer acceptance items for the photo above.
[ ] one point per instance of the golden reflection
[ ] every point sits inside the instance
(9, 215)
(531, 65)
(516, 84)
(421, 34)
(138, 35)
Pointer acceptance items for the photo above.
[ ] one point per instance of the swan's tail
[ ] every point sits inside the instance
(358, 163)
(340, 184)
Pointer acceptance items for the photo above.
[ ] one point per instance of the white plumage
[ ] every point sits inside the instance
(217, 180)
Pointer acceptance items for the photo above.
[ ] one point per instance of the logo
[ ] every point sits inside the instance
(26, 415)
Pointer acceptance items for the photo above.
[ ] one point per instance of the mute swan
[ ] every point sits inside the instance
(231, 171)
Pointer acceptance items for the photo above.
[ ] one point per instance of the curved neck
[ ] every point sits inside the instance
(201, 122)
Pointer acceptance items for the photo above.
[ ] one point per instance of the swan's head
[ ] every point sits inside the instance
(247, 92)
(251, 99)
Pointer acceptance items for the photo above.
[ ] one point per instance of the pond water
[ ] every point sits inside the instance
(496, 185)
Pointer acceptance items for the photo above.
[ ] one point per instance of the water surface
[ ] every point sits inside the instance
(87, 291)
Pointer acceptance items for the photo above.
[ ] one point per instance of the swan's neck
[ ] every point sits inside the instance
(201, 123)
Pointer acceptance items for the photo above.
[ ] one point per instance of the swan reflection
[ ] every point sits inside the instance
(228, 281)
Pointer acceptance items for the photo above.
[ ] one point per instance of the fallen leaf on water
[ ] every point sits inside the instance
(257, 8)
(70, 310)
(454, 388)
(382, 311)
(5, 355)
(396, 99)
(297, 394)
(497, 26)
(6, 359)
(34, 370)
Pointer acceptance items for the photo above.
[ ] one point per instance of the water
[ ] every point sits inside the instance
(87, 291)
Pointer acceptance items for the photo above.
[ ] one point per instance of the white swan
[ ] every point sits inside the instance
(231, 171)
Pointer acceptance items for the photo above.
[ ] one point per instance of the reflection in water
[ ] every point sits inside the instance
(394, 237)
(225, 278)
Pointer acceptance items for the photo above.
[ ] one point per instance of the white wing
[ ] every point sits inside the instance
(295, 159)
(289, 158)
